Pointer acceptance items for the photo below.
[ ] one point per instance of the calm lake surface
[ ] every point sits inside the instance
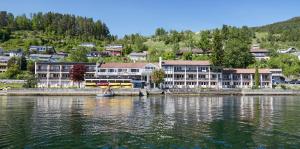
(177, 122)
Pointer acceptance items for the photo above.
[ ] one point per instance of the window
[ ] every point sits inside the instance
(111, 70)
(134, 70)
(102, 70)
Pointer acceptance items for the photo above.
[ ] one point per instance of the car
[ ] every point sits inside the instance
(294, 82)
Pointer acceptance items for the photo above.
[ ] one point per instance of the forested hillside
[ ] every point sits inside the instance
(49, 28)
(281, 34)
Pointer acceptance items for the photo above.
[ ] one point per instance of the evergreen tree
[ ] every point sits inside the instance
(256, 78)
(217, 49)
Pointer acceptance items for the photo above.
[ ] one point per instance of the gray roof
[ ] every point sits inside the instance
(138, 54)
(4, 58)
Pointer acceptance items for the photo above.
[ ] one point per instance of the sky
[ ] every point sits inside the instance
(144, 16)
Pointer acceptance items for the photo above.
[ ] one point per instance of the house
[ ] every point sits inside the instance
(195, 51)
(46, 57)
(88, 45)
(114, 50)
(289, 50)
(134, 56)
(277, 76)
(137, 73)
(41, 49)
(260, 54)
(40, 57)
(57, 74)
(14, 53)
(93, 54)
(3, 63)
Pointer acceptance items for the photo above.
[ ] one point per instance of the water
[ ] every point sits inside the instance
(175, 122)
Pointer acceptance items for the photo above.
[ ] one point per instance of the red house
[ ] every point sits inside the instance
(114, 50)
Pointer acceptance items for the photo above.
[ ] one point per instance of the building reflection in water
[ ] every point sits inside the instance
(134, 114)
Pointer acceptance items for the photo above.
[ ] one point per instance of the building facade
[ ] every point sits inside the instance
(51, 74)
(138, 56)
(178, 74)
(114, 50)
(200, 74)
(190, 74)
(3, 63)
(41, 49)
(125, 72)
(245, 78)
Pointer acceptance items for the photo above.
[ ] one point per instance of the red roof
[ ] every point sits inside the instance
(186, 62)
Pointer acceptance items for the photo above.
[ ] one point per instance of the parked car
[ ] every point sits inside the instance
(294, 82)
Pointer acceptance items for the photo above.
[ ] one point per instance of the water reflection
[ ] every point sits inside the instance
(160, 121)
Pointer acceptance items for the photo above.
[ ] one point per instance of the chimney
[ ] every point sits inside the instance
(160, 62)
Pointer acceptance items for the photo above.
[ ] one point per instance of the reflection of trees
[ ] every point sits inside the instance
(15, 121)
(163, 121)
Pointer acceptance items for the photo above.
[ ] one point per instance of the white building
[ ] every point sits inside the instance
(57, 75)
(138, 56)
(200, 74)
(88, 45)
(125, 72)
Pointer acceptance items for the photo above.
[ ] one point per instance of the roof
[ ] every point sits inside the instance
(65, 63)
(245, 70)
(40, 55)
(258, 50)
(124, 65)
(194, 51)
(185, 62)
(138, 54)
(4, 58)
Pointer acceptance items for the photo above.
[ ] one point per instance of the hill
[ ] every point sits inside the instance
(60, 30)
(280, 27)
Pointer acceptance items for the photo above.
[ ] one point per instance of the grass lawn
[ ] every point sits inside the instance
(11, 85)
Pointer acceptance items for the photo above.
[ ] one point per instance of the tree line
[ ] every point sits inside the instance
(54, 23)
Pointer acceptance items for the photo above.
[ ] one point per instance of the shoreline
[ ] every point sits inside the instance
(137, 92)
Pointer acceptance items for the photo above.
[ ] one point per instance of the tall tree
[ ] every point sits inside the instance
(204, 42)
(256, 78)
(77, 73)
(217, 49)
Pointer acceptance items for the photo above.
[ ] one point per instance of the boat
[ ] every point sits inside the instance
(107, 93)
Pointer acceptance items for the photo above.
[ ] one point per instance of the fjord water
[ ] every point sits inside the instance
(153, 122)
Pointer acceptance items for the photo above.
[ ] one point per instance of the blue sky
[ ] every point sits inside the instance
(144, 16)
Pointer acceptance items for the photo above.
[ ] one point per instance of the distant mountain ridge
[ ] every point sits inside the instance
(279, 27)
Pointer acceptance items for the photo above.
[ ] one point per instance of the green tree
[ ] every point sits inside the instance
(217, 54)
(22, 63)
(31, 82)
(12, 61)
(169, 55)
(12, 72)
(78, 55)
(187, 55)
(237, 54)
(160, 32)
(31, 67)
(204, 42)
(158, 76)
(256, 78)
